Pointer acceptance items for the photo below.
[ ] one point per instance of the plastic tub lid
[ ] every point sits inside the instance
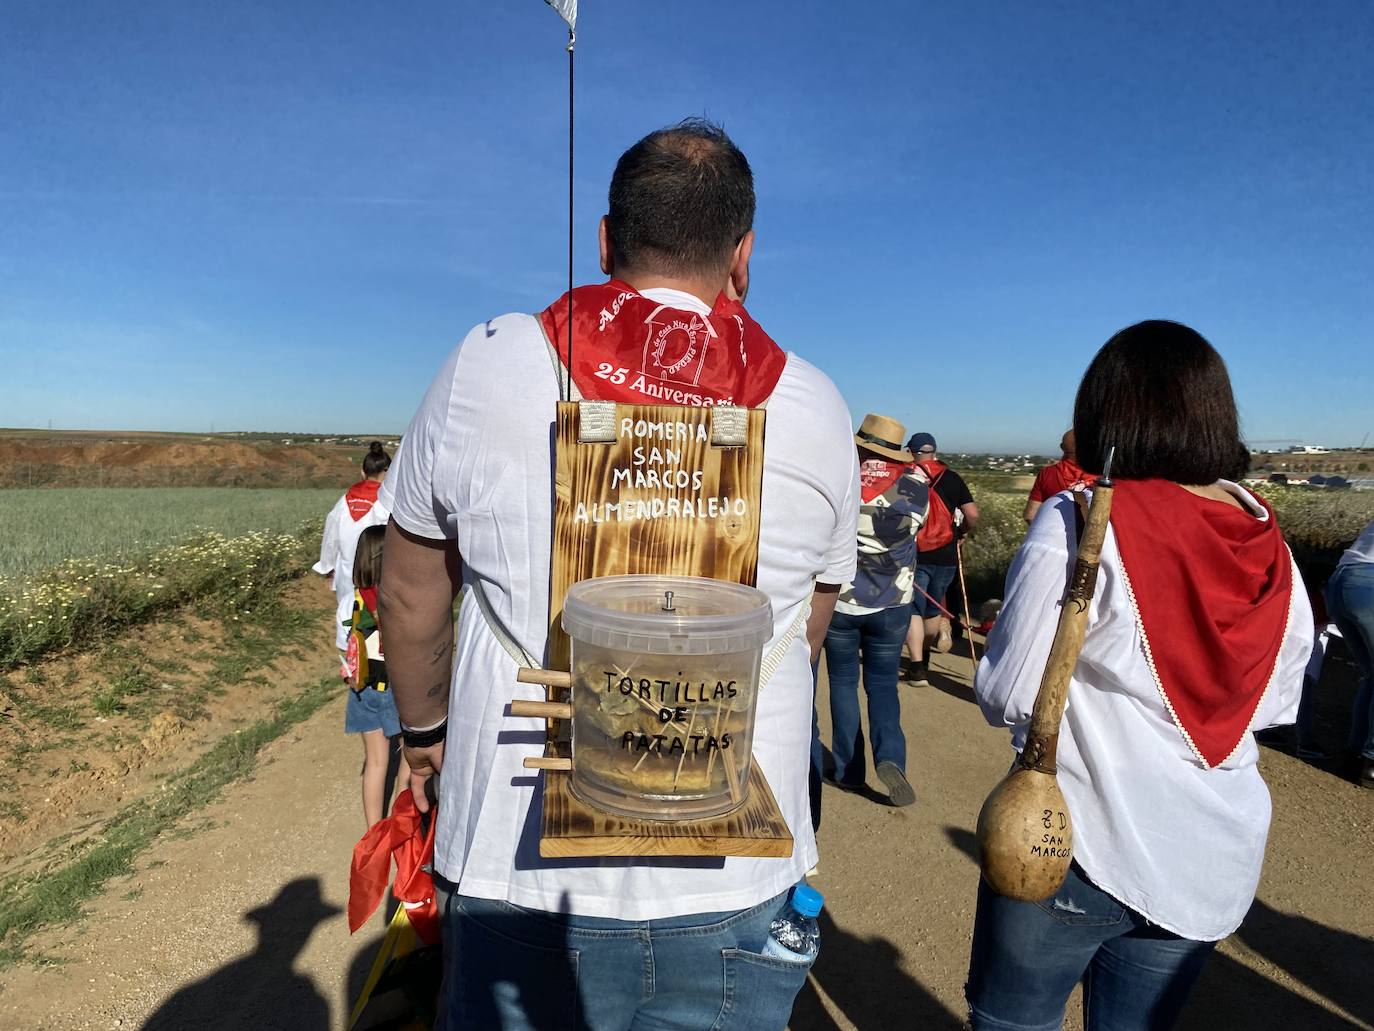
(634, 613)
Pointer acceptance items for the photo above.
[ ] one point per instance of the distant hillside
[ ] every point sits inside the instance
(42, 458)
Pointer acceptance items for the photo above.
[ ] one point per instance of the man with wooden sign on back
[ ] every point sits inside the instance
(607, 943)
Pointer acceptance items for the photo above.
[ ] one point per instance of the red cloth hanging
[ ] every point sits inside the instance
(401, 836)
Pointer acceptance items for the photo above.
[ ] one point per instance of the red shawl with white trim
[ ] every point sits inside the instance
(1210, 586)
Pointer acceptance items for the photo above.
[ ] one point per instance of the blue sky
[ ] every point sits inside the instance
(282, 216)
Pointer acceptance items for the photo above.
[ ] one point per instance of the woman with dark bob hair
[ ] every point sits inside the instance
(1197, 636)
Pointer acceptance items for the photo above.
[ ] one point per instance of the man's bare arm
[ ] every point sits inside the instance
(823, 600)
(1031, 508)
(970, 512)
(420, 579)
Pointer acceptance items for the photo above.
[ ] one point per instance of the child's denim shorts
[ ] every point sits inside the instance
(370, 709)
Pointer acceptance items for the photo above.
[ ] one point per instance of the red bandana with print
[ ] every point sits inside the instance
(876, 475)
(630, 349)
(361, 497)
(1211, 587)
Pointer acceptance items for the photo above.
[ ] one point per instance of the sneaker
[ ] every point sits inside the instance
(899, 790)
(920, 673)
(1366, 774)
(944, 641)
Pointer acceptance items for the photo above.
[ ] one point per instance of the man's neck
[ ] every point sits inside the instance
(703, 289)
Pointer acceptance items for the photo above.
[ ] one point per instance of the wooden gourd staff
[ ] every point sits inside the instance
(1025, 834)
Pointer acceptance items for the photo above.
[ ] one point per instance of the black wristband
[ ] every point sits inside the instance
(424, 738)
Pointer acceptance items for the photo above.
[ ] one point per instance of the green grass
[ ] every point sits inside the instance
(44, 528)
(1317, 524)
(57, 896)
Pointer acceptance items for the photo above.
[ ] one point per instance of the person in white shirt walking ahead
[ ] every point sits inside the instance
(1197, 635)
(606, 943)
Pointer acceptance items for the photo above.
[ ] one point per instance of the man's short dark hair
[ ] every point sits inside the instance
(681, 199)
(1160, 393)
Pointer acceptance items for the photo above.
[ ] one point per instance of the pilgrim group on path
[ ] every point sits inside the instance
(1197, 634)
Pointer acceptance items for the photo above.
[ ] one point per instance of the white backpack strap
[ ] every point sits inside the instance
(566, 387)
(774, 658)
(498, 629)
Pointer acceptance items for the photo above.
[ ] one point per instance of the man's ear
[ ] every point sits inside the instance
(603, 237)
(737, 289)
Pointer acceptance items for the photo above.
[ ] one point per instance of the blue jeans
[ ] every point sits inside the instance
(934, 581)
(876, 641)
(1027, 957)
(507, 968)
(1350, 600)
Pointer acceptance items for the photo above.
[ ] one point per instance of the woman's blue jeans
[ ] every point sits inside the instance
(875, 641)
(1350, 600)
(1027, 957)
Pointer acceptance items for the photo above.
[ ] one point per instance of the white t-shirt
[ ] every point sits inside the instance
(476, 466)
(1362, 550)
(346, 533)
(329, 541)
(1152, 827)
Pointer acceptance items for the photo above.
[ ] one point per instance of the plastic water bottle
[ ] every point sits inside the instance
(795, 936)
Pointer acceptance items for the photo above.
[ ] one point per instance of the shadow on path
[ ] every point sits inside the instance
(1333, 963)
(864, 979)
(262, 989)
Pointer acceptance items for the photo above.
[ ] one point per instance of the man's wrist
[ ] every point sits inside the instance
(424, 737)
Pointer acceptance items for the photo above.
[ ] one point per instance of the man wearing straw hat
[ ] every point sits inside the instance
(871, 616)
(606, 943)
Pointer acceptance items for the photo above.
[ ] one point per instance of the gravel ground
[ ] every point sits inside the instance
(239, 923)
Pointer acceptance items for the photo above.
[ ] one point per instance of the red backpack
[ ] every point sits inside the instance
(938, 529)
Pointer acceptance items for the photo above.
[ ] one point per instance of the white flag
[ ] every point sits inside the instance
(567, 10)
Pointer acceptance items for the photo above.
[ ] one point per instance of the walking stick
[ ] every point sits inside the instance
(1025, 836)
(968, 619)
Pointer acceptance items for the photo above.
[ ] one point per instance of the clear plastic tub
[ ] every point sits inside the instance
(665, 673)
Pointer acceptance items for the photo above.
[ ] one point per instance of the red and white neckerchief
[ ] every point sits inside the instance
(877, 475)
(1070, 474)
(1211, 587)
(361, 497)
(630, 349)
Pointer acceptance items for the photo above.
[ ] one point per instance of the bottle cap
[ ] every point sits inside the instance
(807, 901)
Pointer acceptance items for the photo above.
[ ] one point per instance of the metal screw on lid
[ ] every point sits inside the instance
(667, 601)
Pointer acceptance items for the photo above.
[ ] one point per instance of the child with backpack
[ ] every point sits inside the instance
(371, 709)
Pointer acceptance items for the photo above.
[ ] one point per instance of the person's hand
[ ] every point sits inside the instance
(424, 763)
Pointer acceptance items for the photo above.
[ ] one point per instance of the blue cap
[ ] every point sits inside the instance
(807, 901)
(920, 440)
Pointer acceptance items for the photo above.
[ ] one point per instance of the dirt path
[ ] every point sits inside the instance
(238, 925)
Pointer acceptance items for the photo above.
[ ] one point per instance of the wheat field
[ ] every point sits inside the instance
(44, 527)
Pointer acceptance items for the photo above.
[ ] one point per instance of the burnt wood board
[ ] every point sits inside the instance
(572, 828)
(697, 515)
(622, 507)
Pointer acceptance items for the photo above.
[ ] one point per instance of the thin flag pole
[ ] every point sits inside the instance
(572, 45)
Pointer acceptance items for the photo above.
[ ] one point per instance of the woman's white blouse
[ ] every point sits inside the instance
(1178, 843)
